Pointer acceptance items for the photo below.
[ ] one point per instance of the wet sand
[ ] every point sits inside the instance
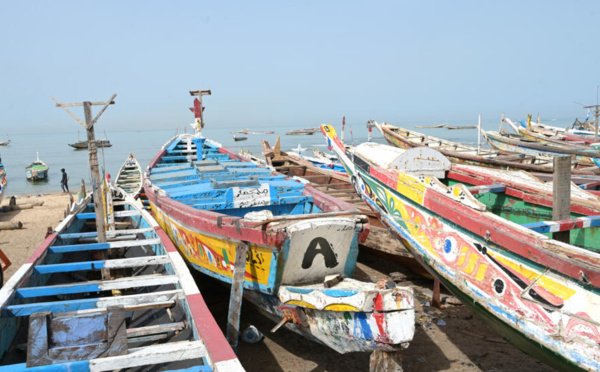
(451, 339)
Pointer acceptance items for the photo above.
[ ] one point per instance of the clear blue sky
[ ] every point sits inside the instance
(297, 63)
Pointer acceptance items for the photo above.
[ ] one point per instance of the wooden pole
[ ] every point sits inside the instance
(237, 292)
(561, 195)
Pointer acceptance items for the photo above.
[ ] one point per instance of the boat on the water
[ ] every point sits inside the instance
(298, 132)
(127, 303)
(37, 171)
(461, 127)
(129, 178)
(466, 154)
(485, 233)
(248, 131)
(431, 126)
(290, 241)
(81, 145)
(239, 137)
(5, 143)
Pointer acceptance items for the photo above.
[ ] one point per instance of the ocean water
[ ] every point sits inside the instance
(53, 149)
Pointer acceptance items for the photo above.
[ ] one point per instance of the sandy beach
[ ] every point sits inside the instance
(451, 339)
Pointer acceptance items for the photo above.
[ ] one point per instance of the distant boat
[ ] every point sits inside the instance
(37, 171)
(431, 126)
(248, 131)
(297, 132)
(239, 137)
(80, 145)
(461, 127)
(5, 143)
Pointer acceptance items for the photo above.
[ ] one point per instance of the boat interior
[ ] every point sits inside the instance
(126, 291)
(225, 183)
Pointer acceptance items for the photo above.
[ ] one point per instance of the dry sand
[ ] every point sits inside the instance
(460, 342)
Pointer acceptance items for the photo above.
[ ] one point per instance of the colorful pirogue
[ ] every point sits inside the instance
(129, 303)
(212, 201)
(129, 178)
(485, 234)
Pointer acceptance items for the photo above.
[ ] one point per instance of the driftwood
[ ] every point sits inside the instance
(7, 225)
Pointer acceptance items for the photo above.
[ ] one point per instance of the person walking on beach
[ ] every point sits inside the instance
(64, 181)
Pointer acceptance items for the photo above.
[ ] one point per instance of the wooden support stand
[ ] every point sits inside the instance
(381, 361)
(237, 292)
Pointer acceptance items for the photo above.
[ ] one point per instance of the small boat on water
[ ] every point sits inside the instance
(248, 131)
(228, 215)
(129, 178)
(297, 132)
(5, 143)
(81, 145)
(128, 303)
(239, 137)
(37, 171)
(486, 234)
(467, 154)
(461, 127)
(431, 126)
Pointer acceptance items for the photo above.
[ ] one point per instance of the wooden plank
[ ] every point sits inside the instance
(97, 286)
(109, 234)
(102, 264)
(561, 195)
(102, 246)
(130, 302)
(155, 329)
(565, 225)
(151, 355)
(237, 292)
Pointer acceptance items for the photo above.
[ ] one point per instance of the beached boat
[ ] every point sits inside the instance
(37, 171)
(129, 178)
(466, 154)
(71, 307)
(239, 137)
(338, 186)
(543, 133)
(80, 145)
(485, 234)
(518, 143)
(216, 206)
(297, 132)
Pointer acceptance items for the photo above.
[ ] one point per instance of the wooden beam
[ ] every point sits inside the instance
(237, 292)
(561, 195)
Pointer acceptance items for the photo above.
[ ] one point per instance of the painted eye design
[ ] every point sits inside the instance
(450, 248)
(499, 286)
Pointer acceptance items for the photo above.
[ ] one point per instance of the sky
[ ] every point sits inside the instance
(295, 63)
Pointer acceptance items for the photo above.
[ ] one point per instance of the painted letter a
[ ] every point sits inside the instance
(319, 246)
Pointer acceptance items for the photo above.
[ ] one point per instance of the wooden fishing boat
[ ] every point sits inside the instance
(5, 143)
(287, 238)
(4, 264)
(248, 131)
(505, 141)
(239, 137)
(466, 154)
(37, 171)
(129, 178)
(431, 126)
(71, 307)
(461, 127)
(338, 186)
(81, 145)
(297, 132)
(485, 234)
(543, 133)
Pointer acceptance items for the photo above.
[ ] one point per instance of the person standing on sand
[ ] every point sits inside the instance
(64, 181)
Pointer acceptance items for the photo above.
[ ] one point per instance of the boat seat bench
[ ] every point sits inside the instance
(486, 189)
